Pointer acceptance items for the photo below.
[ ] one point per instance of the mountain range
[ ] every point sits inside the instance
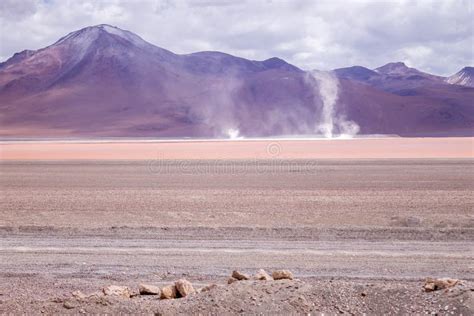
(103, 81)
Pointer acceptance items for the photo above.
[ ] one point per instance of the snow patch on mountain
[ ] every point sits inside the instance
(86, 36)
(465, 77)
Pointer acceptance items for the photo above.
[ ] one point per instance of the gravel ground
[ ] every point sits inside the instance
(262, 297)
(360, 235)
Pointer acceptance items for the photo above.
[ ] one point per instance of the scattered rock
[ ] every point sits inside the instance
(429, 287)
(209, 287)
(239, 276)
(439, 284)
(117, 290)
(231, 280)
(68, 304)
(169, 292)
(96, 294)
(184, 287)
(78, 294)
(282, 274)
(263, 275)
(146, 289)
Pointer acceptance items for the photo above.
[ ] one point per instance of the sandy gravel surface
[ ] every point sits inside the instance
(40, 269)
(302, 297)
(361, 235)
(269, 193)
(206, 257)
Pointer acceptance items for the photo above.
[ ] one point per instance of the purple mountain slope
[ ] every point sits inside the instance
(393, 77)
(357, 73)
(104, 81)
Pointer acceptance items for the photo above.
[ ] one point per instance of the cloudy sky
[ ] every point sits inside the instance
(435, 36)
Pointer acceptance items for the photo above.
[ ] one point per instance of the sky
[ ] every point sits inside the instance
(435, 36)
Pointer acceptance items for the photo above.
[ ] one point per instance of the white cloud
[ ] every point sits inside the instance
(433, 35)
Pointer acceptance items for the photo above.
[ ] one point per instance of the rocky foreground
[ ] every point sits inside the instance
(262, 293)
(360, 237)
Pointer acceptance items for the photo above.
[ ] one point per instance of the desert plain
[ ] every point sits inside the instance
(361, 223)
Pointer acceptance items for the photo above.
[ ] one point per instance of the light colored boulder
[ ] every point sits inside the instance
(184, 287)
(263, 275)
(439, 284)
(169, 292)
(282, 274)
(96, 294)
(429, 287)
(79, 295)
(68, 304)
(116, 290)
(147, 289)
(239, 276)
